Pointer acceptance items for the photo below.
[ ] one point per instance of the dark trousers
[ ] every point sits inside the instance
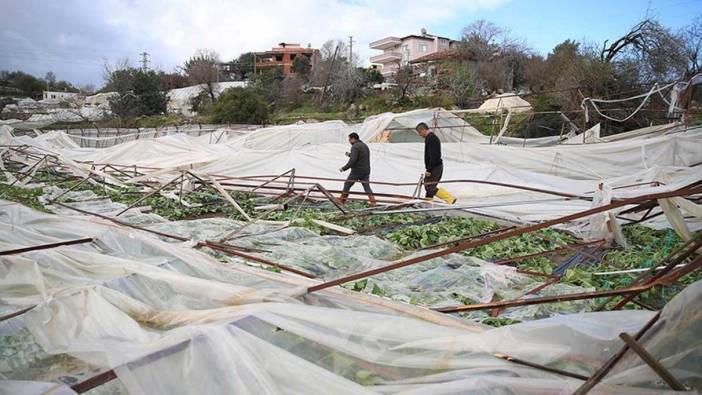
(356, 177)
(431, 183)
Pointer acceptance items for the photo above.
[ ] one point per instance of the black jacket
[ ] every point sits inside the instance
(359, 159)
(432, 152)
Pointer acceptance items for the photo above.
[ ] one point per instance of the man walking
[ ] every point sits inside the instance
(359, 163)
(433, 165)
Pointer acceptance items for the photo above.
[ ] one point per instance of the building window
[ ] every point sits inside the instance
(292, 56)
(423, 48)
(279, 58)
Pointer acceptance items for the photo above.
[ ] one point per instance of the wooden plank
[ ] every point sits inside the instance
(229, 198)
(334, 227)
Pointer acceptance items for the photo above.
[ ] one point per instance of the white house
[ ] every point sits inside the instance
(59, 95)
(399, 51)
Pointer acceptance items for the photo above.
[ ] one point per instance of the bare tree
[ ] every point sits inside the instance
(481, 40)
(459, 83)
(337, 74)
(498, 60)
(50, 79)
(202, 69)
(291, 90)
(108, 71)
(654, 49)
(691, 37)
(405, 79)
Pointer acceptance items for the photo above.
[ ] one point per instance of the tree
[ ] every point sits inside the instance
(373, 76)
(243, 66)
(147, 87)
(405, 79)
(291, 90)
(268, 83)
(691, 37)
(497, 60)
(302, 66)
(202, 69)
(459, 83)
(138, 91)
(347, 85)
(173, 80)
(50, 79)
(22, 84)
(240, 105)
(481, 40)
(341, 81)
(650, 50)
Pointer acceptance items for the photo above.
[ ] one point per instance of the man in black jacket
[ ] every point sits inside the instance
(433, 165)
(359, 163)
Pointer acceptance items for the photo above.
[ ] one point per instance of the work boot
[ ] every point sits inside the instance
(371, 201)
(342, 198)
(445, 196)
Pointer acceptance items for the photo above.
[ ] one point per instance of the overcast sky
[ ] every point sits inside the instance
(73, 38)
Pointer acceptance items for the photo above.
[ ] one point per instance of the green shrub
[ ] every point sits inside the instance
(240, 105)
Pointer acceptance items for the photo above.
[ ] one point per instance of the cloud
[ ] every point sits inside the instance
(73, 37)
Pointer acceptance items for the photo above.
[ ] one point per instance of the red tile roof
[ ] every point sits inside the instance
(446, 54)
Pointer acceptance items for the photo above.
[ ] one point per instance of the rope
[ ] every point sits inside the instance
(646, 96)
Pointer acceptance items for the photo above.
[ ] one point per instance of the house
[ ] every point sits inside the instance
(59, 95)
(400, 51)
(284, 55)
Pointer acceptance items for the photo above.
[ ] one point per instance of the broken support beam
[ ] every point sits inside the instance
(545, 299)
(540, 367)
(16, 313)
(180, 177)
(609, 364)
(228, 197)
(95, 381)
(661, 371)
(232, 251)
(47, 246)
(290, 172)
(331, 198)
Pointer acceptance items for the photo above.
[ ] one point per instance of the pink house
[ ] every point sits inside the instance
(400, 51)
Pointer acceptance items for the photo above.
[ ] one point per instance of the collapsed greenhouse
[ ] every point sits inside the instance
(221, 261)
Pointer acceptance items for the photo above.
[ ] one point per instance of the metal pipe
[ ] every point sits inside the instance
(47, 246)
(540, 367)
(656, 366)
(180, 177)
(609, 364)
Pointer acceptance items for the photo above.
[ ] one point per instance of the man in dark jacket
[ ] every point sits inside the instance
(433, 165)
(359, 163)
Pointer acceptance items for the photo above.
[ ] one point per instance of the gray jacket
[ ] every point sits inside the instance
(359, 159)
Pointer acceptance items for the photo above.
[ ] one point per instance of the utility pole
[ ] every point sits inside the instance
(350, 51)
(144, 60)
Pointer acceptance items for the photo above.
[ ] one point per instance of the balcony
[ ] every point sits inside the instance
(386, 57)
(386, 43)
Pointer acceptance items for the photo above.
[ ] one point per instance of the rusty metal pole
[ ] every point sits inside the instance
(74, 186)
(609, 364)
(150, 194)
(661, 371)
(47, 246)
